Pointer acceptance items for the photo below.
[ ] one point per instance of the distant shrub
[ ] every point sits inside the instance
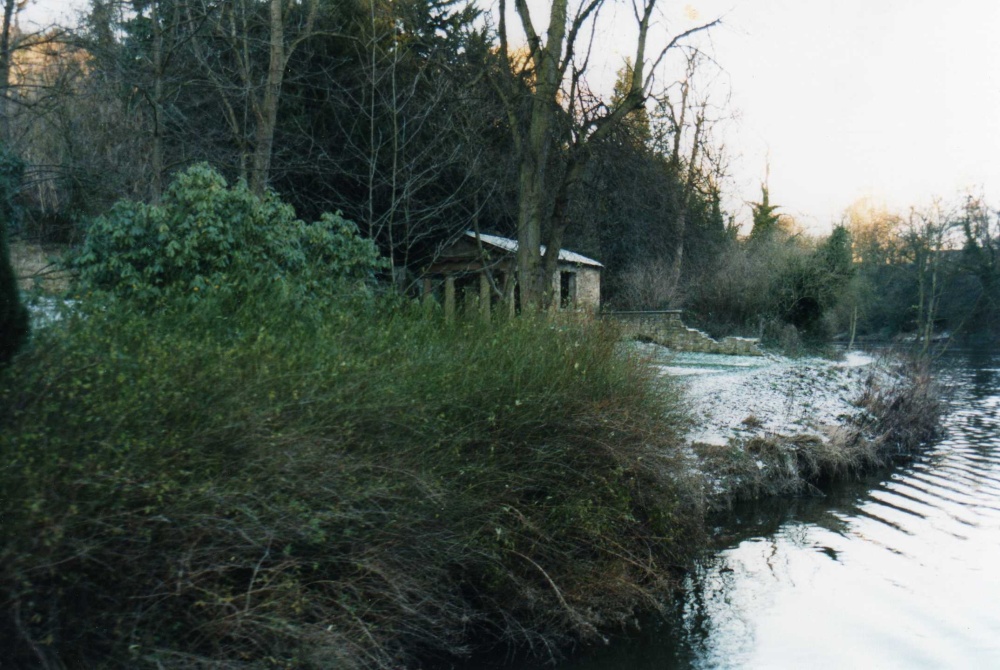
(207, 237)
(779, 289)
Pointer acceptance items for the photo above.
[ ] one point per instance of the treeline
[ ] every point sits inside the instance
(417, 120)
(401, 115)
(929, 272)
(928, 275)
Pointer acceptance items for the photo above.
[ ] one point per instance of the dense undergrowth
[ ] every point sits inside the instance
(353, 486)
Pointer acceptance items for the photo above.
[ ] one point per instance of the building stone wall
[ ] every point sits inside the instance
(585, 290)
(667, 329)
(588, 288)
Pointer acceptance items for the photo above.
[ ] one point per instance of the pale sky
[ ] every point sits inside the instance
(894, 99)
(45, 12)
(898, 100)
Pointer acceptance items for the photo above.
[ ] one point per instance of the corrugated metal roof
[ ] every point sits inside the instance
(508, 244)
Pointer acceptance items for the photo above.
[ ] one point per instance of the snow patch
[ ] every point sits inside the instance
(738, 397)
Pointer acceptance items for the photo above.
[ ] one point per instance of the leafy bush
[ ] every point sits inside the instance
(206, 237)
(342, 486)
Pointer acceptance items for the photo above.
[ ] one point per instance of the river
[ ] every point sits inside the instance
(898, 570)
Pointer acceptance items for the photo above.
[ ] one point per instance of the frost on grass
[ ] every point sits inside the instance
(766, 425)
(739, 397)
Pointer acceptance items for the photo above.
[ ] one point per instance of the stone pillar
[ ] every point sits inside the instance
(484, 297)
(470, 300)
(428, 292)
(556, 287)
(449, 298)
(508, 296)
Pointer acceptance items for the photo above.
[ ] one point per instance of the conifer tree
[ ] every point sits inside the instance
(766, 220)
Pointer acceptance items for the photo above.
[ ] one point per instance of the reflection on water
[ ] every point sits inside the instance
(901, 570)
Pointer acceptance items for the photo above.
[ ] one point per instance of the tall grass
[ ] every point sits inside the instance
(354, 486)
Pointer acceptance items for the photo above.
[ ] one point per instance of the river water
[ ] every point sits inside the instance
(898, 570)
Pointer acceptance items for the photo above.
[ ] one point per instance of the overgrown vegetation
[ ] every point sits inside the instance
(344, 486)
(230, 453)
(236, 454)
(777, 287)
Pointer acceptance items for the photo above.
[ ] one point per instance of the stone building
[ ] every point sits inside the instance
(478, 272)
(666, 328)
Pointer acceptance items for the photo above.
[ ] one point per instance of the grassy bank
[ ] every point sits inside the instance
(896, 411)
(353, 486)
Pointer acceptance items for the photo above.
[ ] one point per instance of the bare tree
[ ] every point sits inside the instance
(251, 94)
(926, 236)
(6, 44)
(41, 119)
(149, 65)
(683, 136)
(17, 46)
(169, 35)
(552, 77)
(405, 128)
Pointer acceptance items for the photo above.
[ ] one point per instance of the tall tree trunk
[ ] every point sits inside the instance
(156, 158)
(245, 100)
(530, 212)
(853, 327)
(5, 54)
(533, 181)
(267, 112)
(557, 227)
(930, 314)
(677, 265)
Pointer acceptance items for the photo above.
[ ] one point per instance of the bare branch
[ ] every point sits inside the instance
(578, 21)
(673, 43)
(534, 42)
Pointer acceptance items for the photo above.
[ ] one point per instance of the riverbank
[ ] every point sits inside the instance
(779, 426)
(351, 486)
(891, 569)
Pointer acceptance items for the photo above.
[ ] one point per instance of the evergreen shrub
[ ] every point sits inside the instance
(206, 237)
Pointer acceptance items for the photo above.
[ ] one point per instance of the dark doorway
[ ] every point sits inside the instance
(567, 289)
